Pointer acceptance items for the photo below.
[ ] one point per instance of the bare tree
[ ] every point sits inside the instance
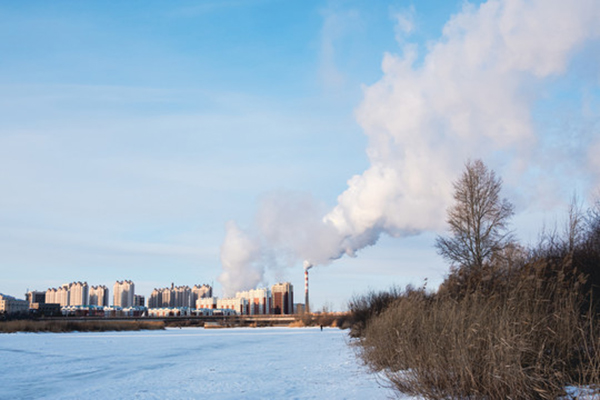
(575, 229)
(478, 220)
(593, 226)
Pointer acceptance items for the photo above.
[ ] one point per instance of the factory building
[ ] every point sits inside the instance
(45, 309)
(299, 308)
(212, 306)
(82, 311)
(237, 304)
(134, 311)
(263, 301)
(206, 303)
(123, 292)
(282, 298)
(170, 312)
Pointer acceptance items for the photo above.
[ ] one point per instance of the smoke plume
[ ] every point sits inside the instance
(471, 95)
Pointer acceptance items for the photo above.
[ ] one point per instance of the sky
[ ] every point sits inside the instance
(225, 142)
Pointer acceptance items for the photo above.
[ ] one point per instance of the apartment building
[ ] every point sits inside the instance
(123, 294)
(282, 298)
(139, 301)
(178, 296)
(10, 305)
(99, 296)
(35, 297)
(200, 292)
(78, 294)
(258, 301)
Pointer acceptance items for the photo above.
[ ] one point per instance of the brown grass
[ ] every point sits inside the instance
(499, 347)
(526, 326)
(297, 324)
(81, 326)
(331, 319)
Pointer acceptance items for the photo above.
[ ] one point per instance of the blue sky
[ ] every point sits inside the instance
(132, 133)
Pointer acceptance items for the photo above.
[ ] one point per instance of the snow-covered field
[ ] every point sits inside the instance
(189, 363)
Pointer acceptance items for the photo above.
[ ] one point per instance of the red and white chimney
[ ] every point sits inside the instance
(307, 266)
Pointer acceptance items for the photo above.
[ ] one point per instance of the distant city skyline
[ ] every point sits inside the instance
(228, 142)
(280, 297)
(81, 300)
(122, 293)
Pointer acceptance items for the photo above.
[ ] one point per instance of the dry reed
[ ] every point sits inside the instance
(523, 327)
(28, 325)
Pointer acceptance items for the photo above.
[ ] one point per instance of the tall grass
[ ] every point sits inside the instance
(366, 307)
(523, 327)
(516, 344)
(81, 326)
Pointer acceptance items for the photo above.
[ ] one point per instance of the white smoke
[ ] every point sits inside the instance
(289, 227)
(241, 260)
(293, 223)
(470, 96)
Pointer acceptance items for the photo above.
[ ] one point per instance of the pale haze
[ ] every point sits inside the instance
(227, 142)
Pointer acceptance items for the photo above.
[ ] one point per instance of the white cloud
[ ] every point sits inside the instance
(240, 256)
(336, 25)
(471, 96)
(405, 23)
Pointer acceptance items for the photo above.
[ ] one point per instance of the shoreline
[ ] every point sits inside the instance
(64, 325)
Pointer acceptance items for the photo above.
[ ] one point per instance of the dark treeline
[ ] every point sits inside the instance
(507, 322)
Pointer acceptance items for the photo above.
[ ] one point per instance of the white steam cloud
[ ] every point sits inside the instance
(471, 95)
(240, 260)
(288, 227)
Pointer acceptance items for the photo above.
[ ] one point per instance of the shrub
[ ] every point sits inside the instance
(516, 344)
(364, 308)
(522, 326)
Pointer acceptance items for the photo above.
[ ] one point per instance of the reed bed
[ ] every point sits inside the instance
(80, 326)
(524, 326)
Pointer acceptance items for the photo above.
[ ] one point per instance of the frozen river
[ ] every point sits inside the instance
(189, 363)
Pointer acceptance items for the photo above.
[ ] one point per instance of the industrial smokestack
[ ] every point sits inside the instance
(306, 307)
(307, 266)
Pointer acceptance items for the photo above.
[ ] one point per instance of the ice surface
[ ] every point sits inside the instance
(188, 363)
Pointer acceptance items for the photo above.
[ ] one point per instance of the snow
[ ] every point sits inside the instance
(188, 363)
